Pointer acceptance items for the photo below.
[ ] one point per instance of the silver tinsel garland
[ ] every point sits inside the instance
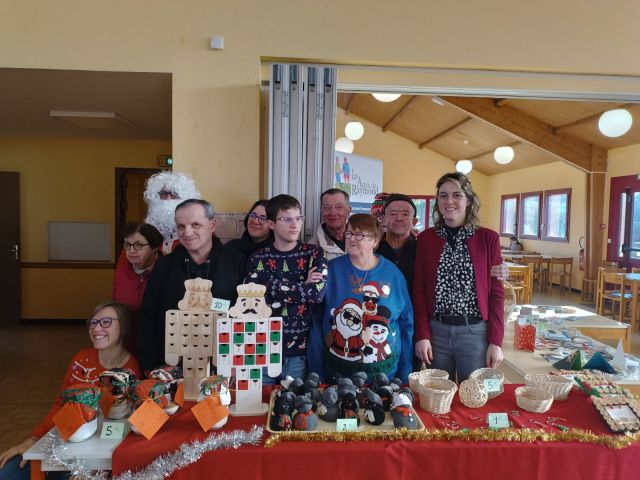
(161, 467)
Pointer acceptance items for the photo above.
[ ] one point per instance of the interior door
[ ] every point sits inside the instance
(10, 248)
(624, 221)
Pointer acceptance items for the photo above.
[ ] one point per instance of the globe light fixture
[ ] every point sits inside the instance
(503, 155)
(386, 97)
(615, 123)
(343, 144)
(464, 166)
(354, 130)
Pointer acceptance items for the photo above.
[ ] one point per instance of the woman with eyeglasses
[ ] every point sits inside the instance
(458, 303)
(108, 327)
(367, 322)
(141, 246)
(257, 233)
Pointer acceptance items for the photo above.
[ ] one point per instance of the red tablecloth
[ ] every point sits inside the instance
(401, 459)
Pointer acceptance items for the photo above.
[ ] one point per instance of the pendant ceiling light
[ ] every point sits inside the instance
(615, 123)
(503, 155)
(386, 97)
(343, 144)
(464, 166)
(354, 130)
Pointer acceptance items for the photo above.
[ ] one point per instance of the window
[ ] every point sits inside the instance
(530, 210)
(557, 205)
(509, 215)
(424, 206)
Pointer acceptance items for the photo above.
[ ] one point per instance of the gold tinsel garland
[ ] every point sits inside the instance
(476, 435)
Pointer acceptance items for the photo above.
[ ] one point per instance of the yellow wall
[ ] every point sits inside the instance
(67, 180)
(546, 177)
(216, 94)
(406, 168)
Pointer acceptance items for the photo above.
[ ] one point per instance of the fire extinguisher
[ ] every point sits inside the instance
(581, 255)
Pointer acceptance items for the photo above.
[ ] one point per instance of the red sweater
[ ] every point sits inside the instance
(128, 286)
(484, 248)
(84, 368)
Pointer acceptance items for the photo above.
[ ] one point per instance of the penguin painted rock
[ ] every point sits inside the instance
(402, 414)
(396, 384)
(380, 380)
(304, 419)
(349, 407)
(281, 414)
(296, 386)
(386, 393)
(359, 379)
(328, 410)
(374, 413)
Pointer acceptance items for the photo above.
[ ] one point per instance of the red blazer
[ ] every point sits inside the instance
(484, 248)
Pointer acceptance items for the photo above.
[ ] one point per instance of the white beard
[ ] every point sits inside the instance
(161, 215)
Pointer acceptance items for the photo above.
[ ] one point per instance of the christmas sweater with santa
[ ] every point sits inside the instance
(85, 367)
(284, 274)
(366, 323)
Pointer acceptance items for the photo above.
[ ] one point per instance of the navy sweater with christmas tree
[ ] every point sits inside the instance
(285, 274)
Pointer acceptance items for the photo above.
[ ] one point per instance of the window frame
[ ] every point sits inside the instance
(523, 196)
(515, 196)
(427, 199)
(547, 194)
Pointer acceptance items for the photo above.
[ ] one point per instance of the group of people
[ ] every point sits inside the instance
(362, 296)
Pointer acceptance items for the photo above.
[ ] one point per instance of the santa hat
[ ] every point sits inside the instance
(351, 303)
(376, 289)
(86, 395)
(379, 319)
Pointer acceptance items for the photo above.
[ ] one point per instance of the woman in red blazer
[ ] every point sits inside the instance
(458, 304)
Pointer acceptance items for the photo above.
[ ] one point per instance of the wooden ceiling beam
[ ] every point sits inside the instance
(512, 145)
(498, 102)
(582, 121)
(385, 127)
(446, 132)
(350, 102)
(528, 129)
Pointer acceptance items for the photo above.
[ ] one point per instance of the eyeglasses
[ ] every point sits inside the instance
(456, 196)
(290, 220)
(168, 195)
(137, 246)
(254, 217)
(105, 322)
(357, 235)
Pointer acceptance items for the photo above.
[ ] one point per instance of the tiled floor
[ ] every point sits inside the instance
(33, 359)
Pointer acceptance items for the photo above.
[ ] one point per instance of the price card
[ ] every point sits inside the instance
(220, 305)
(491, 385)
(112, 431)
(498, 420)
(346, 425)
(148, 418)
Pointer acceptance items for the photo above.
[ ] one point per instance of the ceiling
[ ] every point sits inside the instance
(540, 131)
(141, 101)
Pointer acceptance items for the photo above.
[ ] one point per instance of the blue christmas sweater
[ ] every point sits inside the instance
(290, 297)
(366, 323)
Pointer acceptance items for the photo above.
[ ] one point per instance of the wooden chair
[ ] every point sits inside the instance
(535, 263)
(615, 291)
(564, 273)
(600, 286)
(635, 270)
(607, 264)
(521, 279)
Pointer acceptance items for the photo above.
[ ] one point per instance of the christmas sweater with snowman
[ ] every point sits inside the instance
(366, 323)
(284, 274)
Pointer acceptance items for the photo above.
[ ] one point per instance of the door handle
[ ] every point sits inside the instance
(15, 250)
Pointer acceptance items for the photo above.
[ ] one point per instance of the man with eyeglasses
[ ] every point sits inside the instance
(335, 210)
(294, 274)
(199, 255)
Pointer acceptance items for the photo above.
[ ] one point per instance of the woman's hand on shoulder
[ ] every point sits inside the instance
(423, 351)
(494, 356)
(17, 450)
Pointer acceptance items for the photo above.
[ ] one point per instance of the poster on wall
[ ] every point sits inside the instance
(360, 177)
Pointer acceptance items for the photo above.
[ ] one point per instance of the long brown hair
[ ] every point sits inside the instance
(471, 218)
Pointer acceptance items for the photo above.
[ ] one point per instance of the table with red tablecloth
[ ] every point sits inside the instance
(402, 458)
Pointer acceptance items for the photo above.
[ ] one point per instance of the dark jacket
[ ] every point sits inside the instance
(405, 261)
(246, 246)
(224, 267)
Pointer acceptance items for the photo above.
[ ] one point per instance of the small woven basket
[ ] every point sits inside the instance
(533, 399)
(489, 373)
(472, 393)
(557, 386)
(416, 379)
(437, 394)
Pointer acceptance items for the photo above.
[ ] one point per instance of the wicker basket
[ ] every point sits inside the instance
(437, 394)
(557, 386)
(488, 373)
(472, 393)
(533, 399)
(416, 379)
